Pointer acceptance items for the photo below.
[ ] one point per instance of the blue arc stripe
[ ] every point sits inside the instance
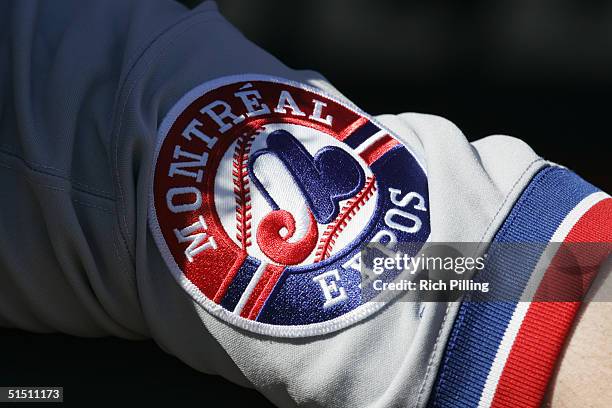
(240, 283)
(361, 134)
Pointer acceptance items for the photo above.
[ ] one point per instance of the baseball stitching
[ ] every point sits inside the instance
(242, 192)
(348, 211)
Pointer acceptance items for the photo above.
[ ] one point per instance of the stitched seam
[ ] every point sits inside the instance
(333, 230)
(508, 196)
(62, 172)
(131, 277)
(85, 204)
(524, 199)
(124, 232)
(433, 354)
(131, 281)
(62, 190)
(74, 184)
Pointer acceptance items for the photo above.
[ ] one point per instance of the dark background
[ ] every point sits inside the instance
(536, 69)
(540, 70)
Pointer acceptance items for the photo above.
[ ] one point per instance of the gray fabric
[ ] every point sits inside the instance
(83, 87)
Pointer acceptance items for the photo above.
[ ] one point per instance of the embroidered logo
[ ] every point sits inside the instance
(263, 193)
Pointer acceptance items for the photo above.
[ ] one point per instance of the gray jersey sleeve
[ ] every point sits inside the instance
(84, 88)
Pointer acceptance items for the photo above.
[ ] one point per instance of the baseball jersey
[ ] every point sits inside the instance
(165, 178)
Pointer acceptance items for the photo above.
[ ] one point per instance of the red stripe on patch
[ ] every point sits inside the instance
(277, 271)
(352, 128)
(377, 149)
(261, 291)
(545, 327)
(229, 277)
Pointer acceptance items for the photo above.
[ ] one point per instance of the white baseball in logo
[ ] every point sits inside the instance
(241, 217)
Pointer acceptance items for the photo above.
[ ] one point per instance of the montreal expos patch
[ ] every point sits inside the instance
(264, 192)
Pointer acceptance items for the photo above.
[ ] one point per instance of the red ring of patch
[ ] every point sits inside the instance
(212, 271)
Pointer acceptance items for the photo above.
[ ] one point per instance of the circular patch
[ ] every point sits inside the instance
(264, 192)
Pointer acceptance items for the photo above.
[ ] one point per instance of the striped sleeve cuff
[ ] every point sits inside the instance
(502, 353)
